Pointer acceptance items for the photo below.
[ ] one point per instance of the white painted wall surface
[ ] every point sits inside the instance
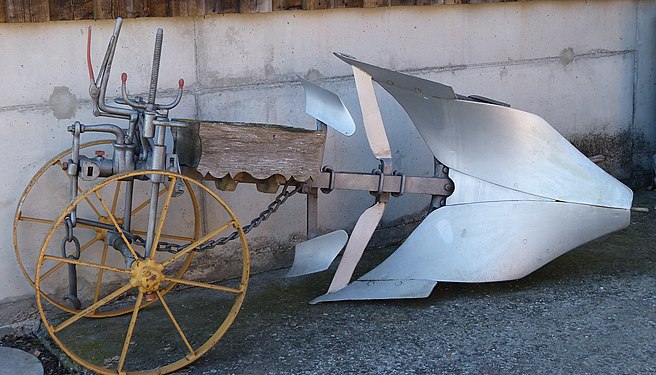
(586, 67)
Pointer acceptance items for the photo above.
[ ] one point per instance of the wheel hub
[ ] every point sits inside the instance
(146, 275)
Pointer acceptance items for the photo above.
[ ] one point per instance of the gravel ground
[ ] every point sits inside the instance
(590, 311)
(31, 344)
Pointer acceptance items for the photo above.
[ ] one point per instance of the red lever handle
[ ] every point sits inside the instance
(89, 65)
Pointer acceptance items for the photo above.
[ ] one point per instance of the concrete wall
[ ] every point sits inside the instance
(586, 67)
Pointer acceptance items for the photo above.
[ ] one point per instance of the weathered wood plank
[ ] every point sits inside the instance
(156, 8)
(316, 4)
(45, 10)
(136, 8)
(2, 11)
(429, 2)
(348, 3)
(255, 6)
(403, 2)
(61, 10)
(26, 11)
(261, 150)
(187, 8)
(108, 9)
(221, 6)
(14, 11)
(375, 3)
(287, 4)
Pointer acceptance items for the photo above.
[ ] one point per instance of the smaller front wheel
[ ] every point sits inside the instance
(186, 322)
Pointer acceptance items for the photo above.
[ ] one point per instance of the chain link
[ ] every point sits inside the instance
(263, 216)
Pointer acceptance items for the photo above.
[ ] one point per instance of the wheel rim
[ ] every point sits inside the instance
(19, 217)
(145, 277)
(27, 224)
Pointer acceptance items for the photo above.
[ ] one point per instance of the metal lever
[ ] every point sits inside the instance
(98, 85)
(126, 97)
(175, 101)
(134, 104)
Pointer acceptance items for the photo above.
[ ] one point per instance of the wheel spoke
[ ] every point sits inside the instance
(48, 221)
(35, 219)
(162, 218)
(203, 285)
(144, 204)
(166, 235)
(83, 263)
(115, 201)
(175, 323)
(93, 207)
(197, 243)
(128, 335)
(118, 227)
(92, 308)
(59, 265)
(103, 258)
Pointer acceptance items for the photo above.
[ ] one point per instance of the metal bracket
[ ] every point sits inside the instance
(331, 179)
(436, 185)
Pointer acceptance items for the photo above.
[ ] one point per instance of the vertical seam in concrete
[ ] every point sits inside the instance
(632, 126)
(196, 93)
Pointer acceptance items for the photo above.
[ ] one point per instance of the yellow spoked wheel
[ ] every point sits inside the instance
(47, 195)
(176, 328)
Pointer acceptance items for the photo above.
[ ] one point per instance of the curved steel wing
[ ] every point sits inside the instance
(523, 194)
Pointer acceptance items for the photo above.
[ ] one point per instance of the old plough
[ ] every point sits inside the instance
(509, 194)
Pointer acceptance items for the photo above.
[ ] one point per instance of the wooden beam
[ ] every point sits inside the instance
(348, 3)
(156, 8)
(61, 10)
(402, 2)
(26, 11)
(255, 6)
(376, 3)
(221, 6)
(316, 4)
(261, 150)
(187, 8)
(54, 10)
(109, 9)
(287, 4)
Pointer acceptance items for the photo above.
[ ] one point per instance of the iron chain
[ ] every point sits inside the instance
(263, 216)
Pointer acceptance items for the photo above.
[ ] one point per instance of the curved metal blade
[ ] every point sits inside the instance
(373, 121)
(428, 88)
(316, 254)
(360, 236)
(474, 190)
(495, 241)
(377, 290)
(503, 146)
(327, 107)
